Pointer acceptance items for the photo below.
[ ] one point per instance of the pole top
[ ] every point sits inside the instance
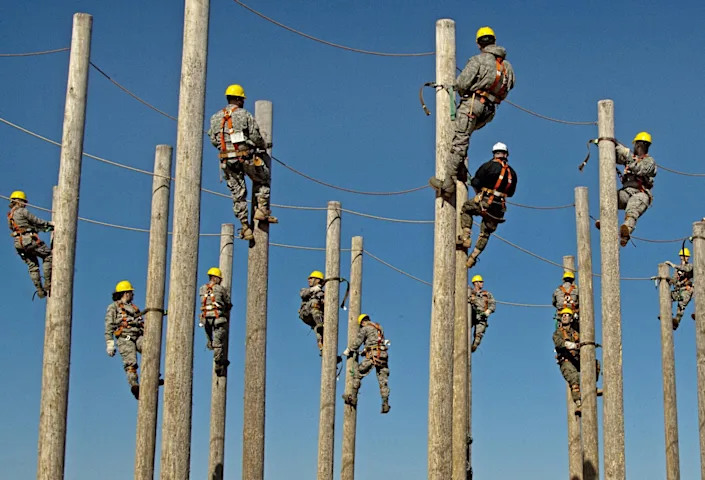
(445, 22)
(698, 229)
(334, 204)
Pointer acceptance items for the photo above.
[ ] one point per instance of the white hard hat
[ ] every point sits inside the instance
(499, 147)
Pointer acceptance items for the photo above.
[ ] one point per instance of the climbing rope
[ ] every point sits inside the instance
(330, 44)
(32, 54)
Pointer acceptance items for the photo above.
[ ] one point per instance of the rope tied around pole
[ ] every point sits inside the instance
(596, 141)
(153, 309)
(447, 88)
(347, 289)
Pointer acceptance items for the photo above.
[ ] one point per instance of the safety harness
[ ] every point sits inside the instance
(561, 357)
(567, 299)
(209, 304)
(496, 192)
(684, 279)
(644, 184)
(484, 294)
(229, 149)
(498, 90)
(125, 317)
(17, 231)
(374, 352)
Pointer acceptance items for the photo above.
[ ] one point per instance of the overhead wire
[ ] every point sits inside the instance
(33, 54)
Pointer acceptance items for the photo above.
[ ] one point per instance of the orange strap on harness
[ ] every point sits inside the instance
(567, 296)
(575, 339)
(228, 120)
(205, 305)
(17, 231)
(370, 350)
(124, 316)
(495, 192)
(493, 94)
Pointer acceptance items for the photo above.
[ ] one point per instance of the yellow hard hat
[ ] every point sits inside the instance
(123, 286)
(316, 274)
(483, 32)
(215, 271)
(235, 91)
(684, 253)
(18, 195)
(361, 317)
(568, 274)
(567, 310)
(477, 278)
(643, 136)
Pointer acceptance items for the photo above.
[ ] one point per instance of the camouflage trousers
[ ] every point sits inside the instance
(313, 317)
(471, 115)
(571, 373)
(31, 251)
(683, 297)
(235, 172)
(634, 202)
(480, 327)
(474, 208)
(365, 367)
(217, 334)
(129, 346)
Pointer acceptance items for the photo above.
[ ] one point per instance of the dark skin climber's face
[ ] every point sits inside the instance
(128, 296)
(239, 101)
(641, 148)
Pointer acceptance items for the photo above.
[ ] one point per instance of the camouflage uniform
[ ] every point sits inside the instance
(476, 110)
(480, 302)
(682, 292)
(493, 181)
(235, 167)
(372, 336)
(311, 310)
(124, 321)
(24, 227)
(567, 296)
(215, 313)
(569, 360)
(637, 181)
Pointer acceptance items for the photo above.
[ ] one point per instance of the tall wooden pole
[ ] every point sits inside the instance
(148, 406)
(57, 337)
(699, 286)
(178, 380)
(461, 353)
(326, 424)
(613, 401)
(588, 372)
(350, 413)
(575, 442)
(440, 385)
(219, 388)
(668, 365)
(256, 327)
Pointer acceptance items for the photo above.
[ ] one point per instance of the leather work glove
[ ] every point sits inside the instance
(571, 345)
(347, 353)
(110, 347)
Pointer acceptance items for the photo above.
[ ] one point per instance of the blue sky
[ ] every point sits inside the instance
(355, 120)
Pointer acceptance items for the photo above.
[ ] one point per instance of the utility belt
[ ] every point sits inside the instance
(633, 181)
(239, 155)
(684, 286)
(374, 354)
(122, 328)
(485, 97)
(564, 358)
(491, 194)
(213, 308)
(22, 233)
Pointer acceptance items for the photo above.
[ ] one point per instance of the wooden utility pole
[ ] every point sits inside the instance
(613, 401)
(59, 313)
(219, 388)
(588, 372)
(668, 365)
(326, 423)
(575, 442)
(440, 385)
(256, 326)
(350, 413)
(178, 380)
(699, 293)
(461, 353)
(148, 406)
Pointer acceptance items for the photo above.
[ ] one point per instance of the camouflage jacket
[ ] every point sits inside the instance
(638, 171)
(123, 319)
(566, 296)
(480, 72)
(682, 275)
(481, 301)
(25, 222)
(215, 301)
(243, 122)
(371, 336)
(312, 299)
(562, 335)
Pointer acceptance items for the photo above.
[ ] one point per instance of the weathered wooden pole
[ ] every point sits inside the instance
(256, 327)
(148, 406)
(219, 388)
(461, 352)
(613, 400)
(350, 413)
(440, 385)
(588, 372)
(57, 331)
(575, 442)
(326, 423)
(178, 380)
(668, 365)
(699, 287)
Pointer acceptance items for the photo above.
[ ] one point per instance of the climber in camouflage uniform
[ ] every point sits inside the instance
(215, 315)
(682, 281)
(482, 305)
(567, 296)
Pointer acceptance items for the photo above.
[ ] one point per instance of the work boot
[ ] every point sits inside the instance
(265, 215)
(41, 293)
(246, 233)
(578, 404)
(676, 322)
(349, 399)
(221, 369)
(597, 224)
(692, 315)
(442, 187)
(209, 345)
(465, 238)
(472, 259)
(385, 406)
(624, 235)
(598, 392)
(338, 359)
(135, 389)
(474, 346)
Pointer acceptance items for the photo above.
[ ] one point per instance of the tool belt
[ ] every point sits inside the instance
(373, 353)
(497, 208)
(127, 325)
(484, 97)
(240, 155)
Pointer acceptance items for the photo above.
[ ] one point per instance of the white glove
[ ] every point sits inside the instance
(571, 345)
(346, 352)
(110, 347)
(670, 264)
(316, 288)
(387, 343)
(488, 313)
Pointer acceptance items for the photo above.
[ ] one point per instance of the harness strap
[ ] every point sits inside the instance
(493, 94)
(124, 316)
(495, 192)
(205, 307)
